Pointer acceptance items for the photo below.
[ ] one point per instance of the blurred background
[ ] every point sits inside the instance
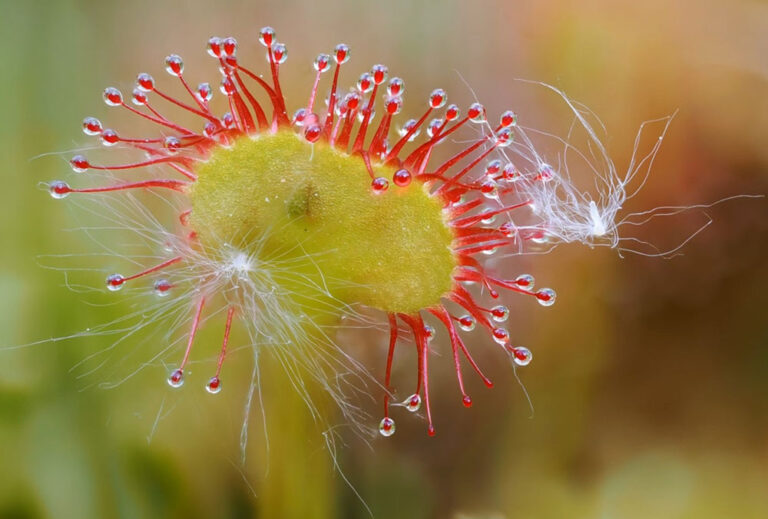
(650, 376)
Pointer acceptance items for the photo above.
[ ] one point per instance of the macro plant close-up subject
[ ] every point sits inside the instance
(312, 283)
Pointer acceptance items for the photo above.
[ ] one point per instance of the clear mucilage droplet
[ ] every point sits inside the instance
(395, 87)
(500, 335)
(341, 53)
(79, 164)
(112, 96)
(176, 378)
(500, 313)
(322, 62)
(410, 123)
(59, 189)
(492, 168)
(412, 403)
(525, 281)
(145, 82)
(546, 296)
(476, 113)
(280, 53)
(92, 126)
(402, 178)
(387, 427)
(174, 65)
(115, 282)
(521, 355)
(267, 36)
(467, 323)
(437, 98)
(214, 385)
(204, 92)
(365, 83)
(162, 287)
(429, 332)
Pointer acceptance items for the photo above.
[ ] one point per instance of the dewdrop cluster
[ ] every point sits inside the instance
(262, 184)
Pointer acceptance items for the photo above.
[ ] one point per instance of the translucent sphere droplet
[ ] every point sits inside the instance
(434, 127)
(214, 385)
(510, 173)
(493, 167)
(174, 65)
(540, 237)
(321, 62)
(172, 144)
(504, 137)
(280, 53)
(91, 126)
(458, 200)
(402, 177)
(379, 185)
(176, 378)
(79, 164)
(546, 173)
(387, 427)
(115, 282)
(476, 113)
(467, 323)
(489, 189)
(139, 97)
(365, 83)
(437, 98)
(508, 118)
(546, 296)
(522, 355)
(113, 97)
(299, 116)
(312, 133)
(500, 313)
(352, 100)
(393, 105)
(145, 82)
(214, 47)
(229, 45)
(204, 92)
(361, 115)
(227, 86)
(410, 123)
(452, 112)
(500, 335)
(525, 281)
(395, 87)
(508, 229)
(379, 73)
(109, 137)
(267, 36)
(429, 332)
(487, 220)
(59, 189)
(162, 287)
(413, 403)
(341, 53)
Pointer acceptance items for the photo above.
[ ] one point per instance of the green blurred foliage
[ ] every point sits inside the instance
(650, 380)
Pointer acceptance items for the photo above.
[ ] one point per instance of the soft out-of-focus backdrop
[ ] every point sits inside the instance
(650, 378)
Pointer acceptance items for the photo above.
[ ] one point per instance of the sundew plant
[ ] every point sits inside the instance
(293, 214)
